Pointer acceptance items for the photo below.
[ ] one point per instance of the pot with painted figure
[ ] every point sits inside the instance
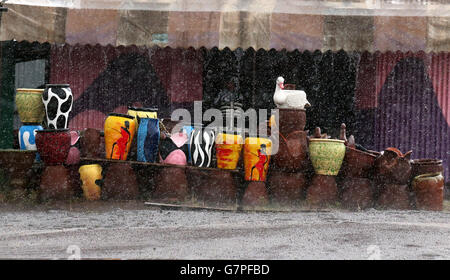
(119, 132)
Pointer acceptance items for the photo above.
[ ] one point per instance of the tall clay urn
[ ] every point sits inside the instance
(29, 105)
(58, 100)
(53, 145)
(257, 152)
(148, 140)
(119, 133)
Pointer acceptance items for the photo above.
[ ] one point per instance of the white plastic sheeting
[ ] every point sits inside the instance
(440, 8)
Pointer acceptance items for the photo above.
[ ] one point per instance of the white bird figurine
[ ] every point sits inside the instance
(289, 99)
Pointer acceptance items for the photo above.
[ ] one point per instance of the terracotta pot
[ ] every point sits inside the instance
(171, 185)
(393, 196)
(90, 142)
(322, 190)
(286, 188)
(17, 163)
(90, 175)
(255, 195)
(393, 167)
(357, 193)
(201, 143)
(212, 187)
(256, 158)
(58, 100)
(53, 145)
(292, 152)
(425, 166)
(148, 140)
(119, 133)
(228, 150)
(326, 155)
(291, 120)
(120, 182)
(429, 191)
(55, 183)
(29, 105)
(357, 163)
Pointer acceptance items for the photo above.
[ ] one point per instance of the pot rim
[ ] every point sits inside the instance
(31, 124)
(426, 161)
(56, 85)
(48, 130)
(84, 166)
(143, 109)
(120, 115)
(30, 90)
(326, 140)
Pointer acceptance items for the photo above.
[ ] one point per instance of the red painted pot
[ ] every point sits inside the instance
(53, 145)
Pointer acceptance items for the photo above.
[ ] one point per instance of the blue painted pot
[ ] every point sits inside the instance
(27, 137)
(148, 140)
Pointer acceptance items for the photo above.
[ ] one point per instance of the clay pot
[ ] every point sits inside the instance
(90, 175)
(393, 167)
(256, 158)
(326, 155)
(357, 163)
(29, 105)
(148, 140)
(357, 193)
(90, 143)
(174, 150)
(212, 187)
(291, 120)
(292, 152)
(55, 183)
(120, 182)
(201, 143)
(425, 166)
(17, 163)
(322, 190)
(53, 145)
(393, 196)
(27, 136)
(286, 188)
(429, 191)
(58, 100)
(119, 132)
(255, 195)
(171, 185)
(228, 150)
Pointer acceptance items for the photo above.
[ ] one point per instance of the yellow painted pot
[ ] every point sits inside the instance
(29, 105)
(256, 158)
(151, 113)
(326, 155)
(228, 150)
(119, 133)
(89, 174)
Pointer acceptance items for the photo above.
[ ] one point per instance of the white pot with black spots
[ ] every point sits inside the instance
(58, 100)
(201, 146)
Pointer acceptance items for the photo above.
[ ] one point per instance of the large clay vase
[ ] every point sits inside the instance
(58, 100)
(140, 113)
(322, 191)
(17, 163)
(53, 145)
(228, 150)
(429, 191)
(174, 149)
(29, 105)
(213, 187)
(55, 183)
(256, 158)
(90, 142)
(120, 182)
(119, 133)
(326, 155)
(357, 193)
(425, 166)
(201, 144)
(394, 196)
(171, 185)
(90, 175)
(27, 136)
(357, 163)
(286, 187)
(148, 140)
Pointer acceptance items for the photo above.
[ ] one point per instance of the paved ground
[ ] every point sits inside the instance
(135, 231)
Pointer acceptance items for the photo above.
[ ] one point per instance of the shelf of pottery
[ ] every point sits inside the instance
(139, 155)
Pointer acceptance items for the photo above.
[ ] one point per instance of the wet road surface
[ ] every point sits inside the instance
(135, 231)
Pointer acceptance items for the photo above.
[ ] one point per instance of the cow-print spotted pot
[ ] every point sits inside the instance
(58, 100)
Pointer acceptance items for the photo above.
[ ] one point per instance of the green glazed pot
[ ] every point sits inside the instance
(326, 155)
(29, 105)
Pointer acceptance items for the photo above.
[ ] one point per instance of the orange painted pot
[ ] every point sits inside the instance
(228, 150)
(119, 133)
(256, 158)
